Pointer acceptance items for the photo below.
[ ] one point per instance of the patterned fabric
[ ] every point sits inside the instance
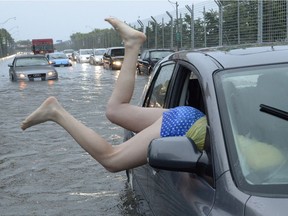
(177, 121)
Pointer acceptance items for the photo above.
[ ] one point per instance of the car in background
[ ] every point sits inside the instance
(58, 59)
(149, 58)
(243, 168)
(31, 68)
(68, 53)
(113, 58)
(97, 56)
(74, 55)
(84, 55)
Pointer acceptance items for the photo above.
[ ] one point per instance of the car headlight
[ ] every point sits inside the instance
(117, 63)
(21, 75)
(51, 73)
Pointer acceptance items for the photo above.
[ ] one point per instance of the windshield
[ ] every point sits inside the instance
(86, 52)
(253, 105)
(58, 56)
(160, 54)
(31, 61)
(117, 52)
(99, 52)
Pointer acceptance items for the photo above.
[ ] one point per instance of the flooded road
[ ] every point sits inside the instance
(43, 171)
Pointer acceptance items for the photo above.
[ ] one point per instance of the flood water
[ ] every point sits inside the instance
(43, 171)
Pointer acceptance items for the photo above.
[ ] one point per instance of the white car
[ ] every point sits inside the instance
(97, 57)
(68, 53)
(84, 55)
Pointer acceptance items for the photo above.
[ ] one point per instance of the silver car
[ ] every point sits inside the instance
(243, 168)
(84, 55)
(96, 58)
(31, 68)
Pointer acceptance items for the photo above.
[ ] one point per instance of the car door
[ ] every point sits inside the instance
(168, 192)
(143, 62)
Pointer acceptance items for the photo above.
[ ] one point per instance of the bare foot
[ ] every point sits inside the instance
(130, 36)
(45, 112)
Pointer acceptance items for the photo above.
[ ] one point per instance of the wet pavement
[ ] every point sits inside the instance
(43, 171)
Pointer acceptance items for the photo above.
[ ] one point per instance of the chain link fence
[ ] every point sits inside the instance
(206, 24)
(217, 23)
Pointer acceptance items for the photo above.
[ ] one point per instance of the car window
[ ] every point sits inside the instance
(57, 56)
(22, 62)
(260, 139)
(85, 52)
(159, 54)
(160, 86)
(117, 52)
(99, 52)
(143, 55)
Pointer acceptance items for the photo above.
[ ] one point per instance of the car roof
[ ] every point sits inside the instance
(160, 49)
(236, 57)
(30, 56)
(116, 48)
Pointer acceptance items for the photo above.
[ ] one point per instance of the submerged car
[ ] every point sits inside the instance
(58, 59)
(68, 53)
(96, 58)
(83, 55)
(149, 58)
(31, 68)
(243, 168)
(113, 58)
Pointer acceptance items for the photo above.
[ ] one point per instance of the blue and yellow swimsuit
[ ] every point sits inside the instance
(177, 121)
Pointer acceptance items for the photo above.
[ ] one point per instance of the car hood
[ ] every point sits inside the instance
(118, 58)
(98, 56)
(35, 69)
(266, 206)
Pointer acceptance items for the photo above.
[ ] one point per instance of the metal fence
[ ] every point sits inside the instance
(206, 24)
(217, 23)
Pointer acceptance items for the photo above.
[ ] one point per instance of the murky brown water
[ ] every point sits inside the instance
(43, 171)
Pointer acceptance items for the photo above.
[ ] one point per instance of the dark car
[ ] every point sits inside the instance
(149, 58)
(243, 168)
(31, 68)
(113, 58)
(58, 59)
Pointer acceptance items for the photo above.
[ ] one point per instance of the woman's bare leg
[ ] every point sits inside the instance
(119, 111)
(129, 154)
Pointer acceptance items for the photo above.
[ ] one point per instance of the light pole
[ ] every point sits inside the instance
(92, 38)
(13, 28)
(14, 18)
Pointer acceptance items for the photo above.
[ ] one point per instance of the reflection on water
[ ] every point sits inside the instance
(43, 170)
(22, 85)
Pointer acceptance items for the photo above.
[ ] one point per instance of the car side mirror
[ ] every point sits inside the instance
(10, 65)
(174, 154)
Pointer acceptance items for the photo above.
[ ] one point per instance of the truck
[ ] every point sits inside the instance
(42, 46)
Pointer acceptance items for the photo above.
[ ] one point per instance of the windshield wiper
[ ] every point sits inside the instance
(274, 111)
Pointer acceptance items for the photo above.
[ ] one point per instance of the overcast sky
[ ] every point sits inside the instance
(59, 19)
